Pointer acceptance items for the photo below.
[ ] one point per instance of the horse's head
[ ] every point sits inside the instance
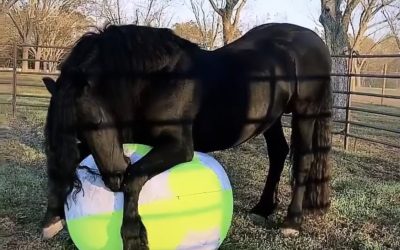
(103, 73)
(78, 114)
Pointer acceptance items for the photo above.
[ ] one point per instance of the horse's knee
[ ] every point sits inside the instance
(180, 153)
(304, 166)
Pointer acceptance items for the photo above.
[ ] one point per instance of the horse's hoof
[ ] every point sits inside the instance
(135, 244)
(261, 215)
(258, 219)
(291, 226)
(289, 232)
(52, 229)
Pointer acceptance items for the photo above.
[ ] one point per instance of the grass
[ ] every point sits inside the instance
(27, 85)
(7, 77)
(383, 121)
(365, 212)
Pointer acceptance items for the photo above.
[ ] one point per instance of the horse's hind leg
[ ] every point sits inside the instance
(277, 152)
(302, 146)
(57, 188)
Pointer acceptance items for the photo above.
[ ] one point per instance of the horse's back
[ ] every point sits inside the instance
(251, 82)
(309, 53)
(280, 32)
(299, 42)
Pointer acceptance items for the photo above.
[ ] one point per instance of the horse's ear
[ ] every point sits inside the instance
(50, 85)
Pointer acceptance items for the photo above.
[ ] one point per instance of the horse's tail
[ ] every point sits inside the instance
(318, 190)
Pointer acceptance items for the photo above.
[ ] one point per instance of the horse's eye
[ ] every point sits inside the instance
(90, 114)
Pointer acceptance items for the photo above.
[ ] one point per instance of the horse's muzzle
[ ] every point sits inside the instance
(114, 182)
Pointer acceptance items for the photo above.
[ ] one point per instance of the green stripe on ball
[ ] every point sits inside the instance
(187, 208)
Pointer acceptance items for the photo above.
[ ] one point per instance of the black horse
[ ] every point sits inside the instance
(134, 84)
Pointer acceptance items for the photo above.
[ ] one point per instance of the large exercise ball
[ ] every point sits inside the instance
(187, 207)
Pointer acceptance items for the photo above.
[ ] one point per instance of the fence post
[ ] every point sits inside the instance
(347, 125)
(14, 82)
(384, 71)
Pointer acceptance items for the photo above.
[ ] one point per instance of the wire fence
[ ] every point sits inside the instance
(17, 83)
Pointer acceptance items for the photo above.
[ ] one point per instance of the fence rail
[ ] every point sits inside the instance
(368, 56)
(395, 76)
(367, 94)
(15, 58)
(369, 111)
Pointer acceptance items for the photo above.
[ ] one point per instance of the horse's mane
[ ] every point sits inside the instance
(126, 48)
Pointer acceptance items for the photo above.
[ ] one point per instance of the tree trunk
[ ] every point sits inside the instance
(357, 70)
(25, 57)
(46, 67)
(227, 30)
(337, 40)
(38, 56)
(339, 83)
(229, 17)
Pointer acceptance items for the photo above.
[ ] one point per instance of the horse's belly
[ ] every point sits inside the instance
(234, 117)
(212, 136)
(220, 126)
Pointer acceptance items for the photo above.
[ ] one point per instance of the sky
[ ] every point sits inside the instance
(301, 12)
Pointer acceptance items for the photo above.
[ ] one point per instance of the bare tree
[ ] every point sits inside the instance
(338, 17)
(5, 5)
(392, 17)
(190, 31)
(31, 18)
(207, 23)
(60, 31)
(368, 23)
(7, 36)
(22, 18)
(152, 13)
(145, 12)
(230, 15)
(109, 11)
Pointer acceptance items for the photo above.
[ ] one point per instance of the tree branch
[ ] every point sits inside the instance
(346, 17)
(148, 10)
(5, 5)
(237, 14)
(215, 7)
(378, 43)
(16, 25)
(392, 27)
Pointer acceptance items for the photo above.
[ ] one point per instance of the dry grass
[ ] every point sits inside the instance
(365, 213)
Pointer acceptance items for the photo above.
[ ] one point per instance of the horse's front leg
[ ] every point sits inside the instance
(170, 152)
(133, 232)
